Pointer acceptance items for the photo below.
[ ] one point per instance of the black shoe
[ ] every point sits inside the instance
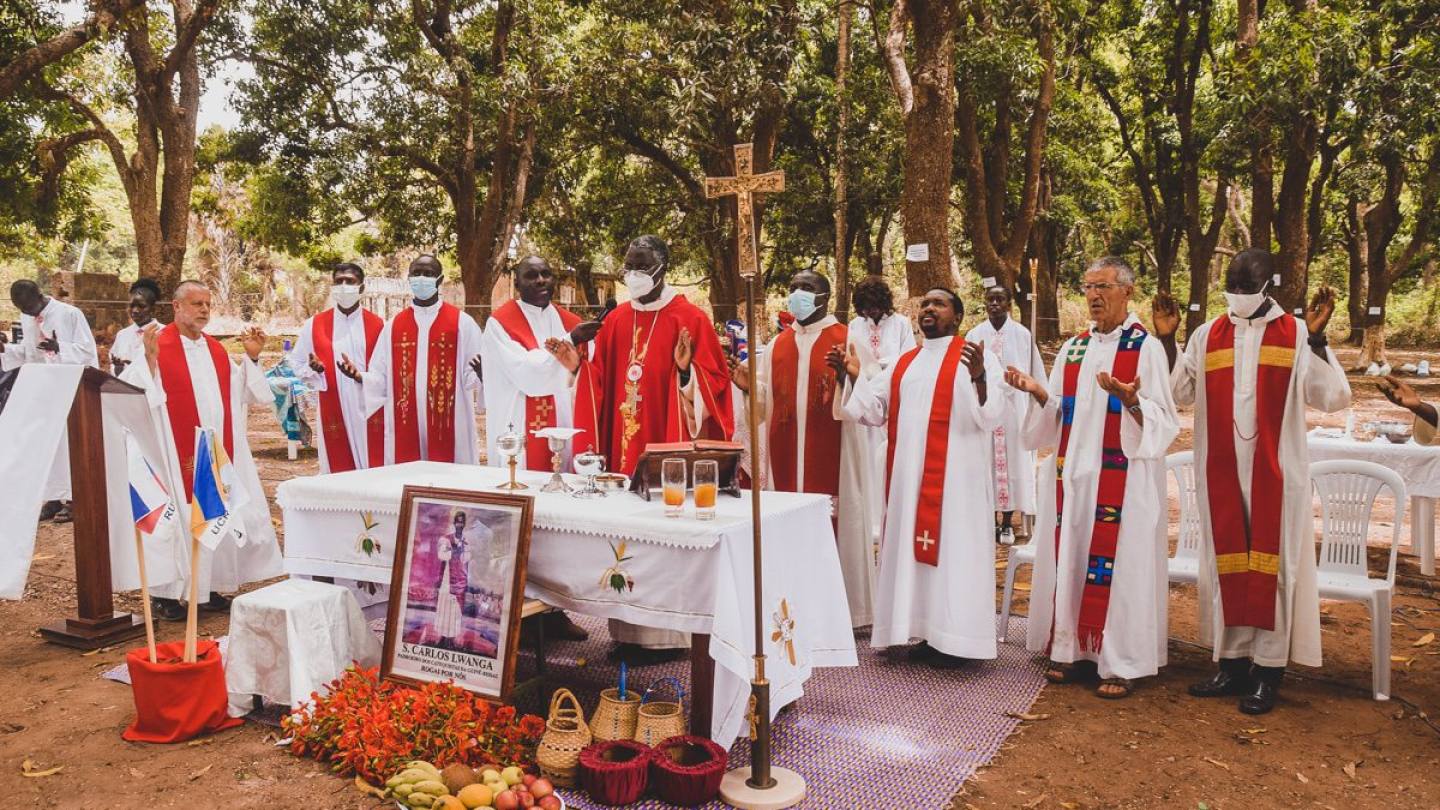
(216, 604)
(168, 609)
(558, 625)
(1233, 680)
(1266, 692)
(922, 652)
(64, 515)
(51, 509)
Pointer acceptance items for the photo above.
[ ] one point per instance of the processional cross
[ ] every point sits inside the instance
(744, 184)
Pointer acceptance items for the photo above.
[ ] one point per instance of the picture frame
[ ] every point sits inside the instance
(457, 589)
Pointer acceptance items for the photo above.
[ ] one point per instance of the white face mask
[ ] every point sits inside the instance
(345, 295)
(424, 287)
(638, 284)
(1243, 305)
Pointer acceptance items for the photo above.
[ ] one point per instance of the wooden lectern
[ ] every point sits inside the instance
(98, 625)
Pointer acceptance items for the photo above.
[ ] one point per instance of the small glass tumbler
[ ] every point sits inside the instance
(707, 476)
(672, 482)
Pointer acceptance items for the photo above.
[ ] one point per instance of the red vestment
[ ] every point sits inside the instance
(332, 417)
(822, 429)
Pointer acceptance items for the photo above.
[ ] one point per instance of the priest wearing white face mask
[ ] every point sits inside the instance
(1251, 374)
(425, 373)
(348, 440)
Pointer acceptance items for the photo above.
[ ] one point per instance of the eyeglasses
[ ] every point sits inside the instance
(1102, 287)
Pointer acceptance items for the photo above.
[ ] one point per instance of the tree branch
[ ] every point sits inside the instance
(893, 47)
(657, 155)
(102, 132)
(188, 33)
(101, 19)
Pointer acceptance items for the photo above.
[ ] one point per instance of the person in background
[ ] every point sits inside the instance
(126, 347)
(1400, 393)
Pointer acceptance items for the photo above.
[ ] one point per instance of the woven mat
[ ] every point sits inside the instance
(887, 728)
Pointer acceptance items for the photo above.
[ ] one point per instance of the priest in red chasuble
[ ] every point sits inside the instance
(348, 439)
(656, 373)
(808, 446)
(1251, 373)
(425, 373)
(939, 402)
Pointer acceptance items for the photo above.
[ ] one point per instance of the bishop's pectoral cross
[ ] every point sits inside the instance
(744, 184)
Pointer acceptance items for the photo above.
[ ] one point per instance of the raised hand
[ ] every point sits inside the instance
(1128, 394)
(315, 364)
(1322, 306)
(565, 352)
(253, 340)
(1165, 315)
(1399, 393)
(346, 367)
(150, 340)
(684, 349)
(739, 373)
(476, 367)
(584, 332)
(973, 356)
(845, 362)
(1020, 381)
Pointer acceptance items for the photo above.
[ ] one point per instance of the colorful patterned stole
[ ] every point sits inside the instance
(1247, 552)
(930, 502)
(1110, 494)
(332, 416)
(540, 411)
(440, 380)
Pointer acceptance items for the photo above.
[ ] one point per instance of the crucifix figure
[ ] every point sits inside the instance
(744, 184)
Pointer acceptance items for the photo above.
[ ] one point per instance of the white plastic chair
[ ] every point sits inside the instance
(1184, 564)
(1018, 555)
(1347, 489)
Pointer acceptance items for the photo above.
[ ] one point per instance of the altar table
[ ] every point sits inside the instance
(683, 574)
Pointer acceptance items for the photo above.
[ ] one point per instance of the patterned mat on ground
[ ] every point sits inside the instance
(887, 728)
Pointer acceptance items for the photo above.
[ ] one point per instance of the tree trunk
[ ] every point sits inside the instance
(1355, 251)
(841, 302)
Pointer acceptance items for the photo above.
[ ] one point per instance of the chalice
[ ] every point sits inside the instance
(589, 464)
(558, 438)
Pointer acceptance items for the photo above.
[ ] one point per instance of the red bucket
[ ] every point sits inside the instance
(176, 701)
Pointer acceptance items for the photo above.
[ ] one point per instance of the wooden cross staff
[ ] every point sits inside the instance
(741, 186)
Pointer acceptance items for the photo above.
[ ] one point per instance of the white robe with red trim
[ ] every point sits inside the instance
(951, 605)
(1320, 385)
(1013, 463)
(229, 566)
(1134, 643)
(348, 340)
(878, 346)
(513, 373)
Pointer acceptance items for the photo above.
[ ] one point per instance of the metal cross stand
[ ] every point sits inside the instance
(758, 787)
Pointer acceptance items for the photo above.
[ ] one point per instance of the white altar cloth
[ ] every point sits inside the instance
(1417, 464)
(684, 574)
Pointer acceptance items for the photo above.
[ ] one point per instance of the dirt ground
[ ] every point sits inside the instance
(1327, 745)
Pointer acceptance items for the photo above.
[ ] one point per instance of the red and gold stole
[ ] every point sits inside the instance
(332, 417)
(937, 445)
(1247, 552)
(440, 381)
(822, 429)
(180, 397)
(539, 411)
(1110, 492)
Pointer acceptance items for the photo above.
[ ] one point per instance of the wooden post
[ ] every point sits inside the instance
(145, 593)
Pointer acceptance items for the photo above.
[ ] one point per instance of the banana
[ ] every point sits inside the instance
(431, 786)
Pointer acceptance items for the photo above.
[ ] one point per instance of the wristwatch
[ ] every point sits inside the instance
(1134, 409)
(1318, 341)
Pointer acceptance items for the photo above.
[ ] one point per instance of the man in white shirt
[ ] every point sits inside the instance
(126, 348)
(348, 440)
(1427, 420)
(52, 332)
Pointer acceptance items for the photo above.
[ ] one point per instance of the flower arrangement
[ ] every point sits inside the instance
(371, 728)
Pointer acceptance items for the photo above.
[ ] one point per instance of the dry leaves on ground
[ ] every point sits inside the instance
(1217, 763)
(1023, 716)
(201, 772)
(1423, 640)
(28, 768)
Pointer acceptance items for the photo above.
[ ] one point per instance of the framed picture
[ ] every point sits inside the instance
(457, 589)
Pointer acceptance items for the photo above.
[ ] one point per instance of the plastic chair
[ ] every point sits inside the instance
(1347, 489)
(1018, 555)
(1184, 565)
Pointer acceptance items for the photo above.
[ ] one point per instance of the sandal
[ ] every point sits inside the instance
(1060, 673)
(1115, 688)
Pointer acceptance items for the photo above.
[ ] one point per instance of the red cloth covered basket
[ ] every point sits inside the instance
(687, 770)
(176, 701)
(615, 771)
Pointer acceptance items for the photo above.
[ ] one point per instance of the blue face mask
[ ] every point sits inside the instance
(424, 287)
(802, 304)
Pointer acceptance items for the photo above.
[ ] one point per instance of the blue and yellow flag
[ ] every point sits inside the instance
(210, 502)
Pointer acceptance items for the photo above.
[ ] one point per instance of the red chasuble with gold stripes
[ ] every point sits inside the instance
(539, 411)
(441, 377)
(822, 429)
(332, 416)
(1247, 547)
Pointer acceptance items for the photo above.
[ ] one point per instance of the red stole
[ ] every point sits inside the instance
(822, 429)
(929, 505)
(440, 380)
(539, 411)
(332, 418)
(1110, 491)
(1247, 553)
(180, 397)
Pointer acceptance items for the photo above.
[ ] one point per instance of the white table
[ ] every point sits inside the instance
(1417, 464)
(688, 575)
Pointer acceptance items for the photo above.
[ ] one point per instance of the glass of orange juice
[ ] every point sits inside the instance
(706, 483)
(672, 482)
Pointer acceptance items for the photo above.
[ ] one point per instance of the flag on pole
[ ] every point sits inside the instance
(210, 517)
(149, 502)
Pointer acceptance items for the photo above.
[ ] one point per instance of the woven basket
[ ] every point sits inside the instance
(615, 772)
(660, 719)
(687, 770)
(614, 719)
(566, 735)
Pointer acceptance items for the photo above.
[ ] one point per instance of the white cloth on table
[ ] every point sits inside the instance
(878, 346)
(1134, 642)
(378, 393)
(1417, 462)
(290, 639)
(950, 605)
(513, 373)
(230, 565)
(347, 340)
(1318, 384)
(1013, 464)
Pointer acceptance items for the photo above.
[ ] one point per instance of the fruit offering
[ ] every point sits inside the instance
(422, 786)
